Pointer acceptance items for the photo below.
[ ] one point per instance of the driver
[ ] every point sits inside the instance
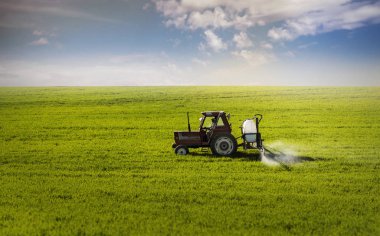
(213, 120)
(213, 124)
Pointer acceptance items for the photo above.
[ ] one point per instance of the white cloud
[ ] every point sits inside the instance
(266, 45)
(170, 8)
(261, 22)
(307, 45)
(216, 18)
(348, 16)
(201, 62)
(178, 22)
(199, 5)
(242, 40)
(40, 42)
(146, 6)
(139, 70)
(174, 42)
(280, 33)
(289, 54)
(38, 32)
(255, 58)
(213, 42)
(44, 33)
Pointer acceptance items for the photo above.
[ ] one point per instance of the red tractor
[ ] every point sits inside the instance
(215, 133)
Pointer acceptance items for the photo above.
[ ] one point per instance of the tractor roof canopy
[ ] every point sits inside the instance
(212, 113)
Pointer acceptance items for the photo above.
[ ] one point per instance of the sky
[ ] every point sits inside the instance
(189, 42)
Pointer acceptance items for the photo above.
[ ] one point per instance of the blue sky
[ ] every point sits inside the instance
(189, 42)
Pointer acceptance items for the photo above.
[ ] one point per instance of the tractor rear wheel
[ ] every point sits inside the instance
(181, 150)
(223, 145)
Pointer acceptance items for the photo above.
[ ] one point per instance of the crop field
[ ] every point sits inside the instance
(98, 161)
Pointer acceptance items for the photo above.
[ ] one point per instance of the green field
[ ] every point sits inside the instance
(98, 161)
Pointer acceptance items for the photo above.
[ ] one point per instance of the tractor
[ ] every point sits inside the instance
(215, 133)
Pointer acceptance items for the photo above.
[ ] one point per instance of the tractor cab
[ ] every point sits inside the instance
(213, 122)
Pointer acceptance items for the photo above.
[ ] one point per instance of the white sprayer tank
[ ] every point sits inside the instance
(249, 130)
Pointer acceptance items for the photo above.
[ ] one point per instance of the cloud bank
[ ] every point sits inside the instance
(284, 21)
(243, 14)
(296, 18)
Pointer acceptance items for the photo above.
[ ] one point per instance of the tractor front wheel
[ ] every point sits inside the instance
(181, 150)
(223, 145)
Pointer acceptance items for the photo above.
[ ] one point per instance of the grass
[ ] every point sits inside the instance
(98, 161)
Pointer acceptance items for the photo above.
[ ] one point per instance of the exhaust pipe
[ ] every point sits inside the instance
(188, 122)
